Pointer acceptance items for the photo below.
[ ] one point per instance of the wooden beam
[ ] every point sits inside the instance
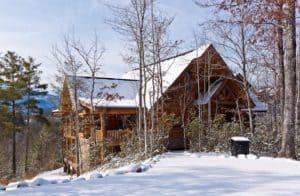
(117, 110)
(103, 123)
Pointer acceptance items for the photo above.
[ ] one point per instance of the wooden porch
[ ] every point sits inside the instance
(113, 137)
(112, 127)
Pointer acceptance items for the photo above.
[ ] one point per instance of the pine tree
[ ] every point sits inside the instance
(5, 123)
(4, 114)
(33, 89)
(11, 74)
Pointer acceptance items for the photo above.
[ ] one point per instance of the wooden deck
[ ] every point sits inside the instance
(113, 137)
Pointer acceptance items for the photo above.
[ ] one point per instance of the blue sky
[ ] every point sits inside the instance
(32, 27)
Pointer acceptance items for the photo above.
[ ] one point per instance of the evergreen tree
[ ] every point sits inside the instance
(4, 114)
(33, 89)
(12, 90)
(5, 123)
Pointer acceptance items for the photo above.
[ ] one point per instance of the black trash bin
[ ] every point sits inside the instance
(239, 145)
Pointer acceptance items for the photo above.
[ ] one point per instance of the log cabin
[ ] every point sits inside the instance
(195, 79)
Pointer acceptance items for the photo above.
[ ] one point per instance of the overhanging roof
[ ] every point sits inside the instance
(124, 91)
(127, 86)
(210, 93)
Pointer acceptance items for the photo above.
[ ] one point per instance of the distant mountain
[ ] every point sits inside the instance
(48, 102)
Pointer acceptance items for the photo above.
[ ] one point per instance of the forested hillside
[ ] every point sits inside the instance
(27, 127)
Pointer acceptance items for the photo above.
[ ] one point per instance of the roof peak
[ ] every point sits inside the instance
(103, 78)
(181, 54)
(188, 51)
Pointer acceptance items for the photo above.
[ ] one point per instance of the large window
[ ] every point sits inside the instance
(115, 122)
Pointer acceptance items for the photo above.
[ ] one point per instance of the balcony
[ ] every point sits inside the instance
(112, 136)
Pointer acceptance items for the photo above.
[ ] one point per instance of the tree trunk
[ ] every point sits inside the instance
(288, 132)
(77, 128)
(198, 92)
(93, 141)
(145, 108)
(27, 127)
(27, 140)
(245, 78)
(240, 117)
(140, 114)
(14, 162)
(153, 109)
(281, 79)
(298, 95)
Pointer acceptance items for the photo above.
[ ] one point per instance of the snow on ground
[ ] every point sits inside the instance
(182, 173)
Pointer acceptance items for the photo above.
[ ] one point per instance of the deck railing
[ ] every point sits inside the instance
(112, 135)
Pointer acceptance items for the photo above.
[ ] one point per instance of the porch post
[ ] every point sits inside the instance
(103, 135)
(103, 123)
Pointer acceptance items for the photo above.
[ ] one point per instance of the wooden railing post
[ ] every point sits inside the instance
(103, 135)
(103, 123)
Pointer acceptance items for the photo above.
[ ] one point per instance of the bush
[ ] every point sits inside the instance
(210, 139)
(265, 142)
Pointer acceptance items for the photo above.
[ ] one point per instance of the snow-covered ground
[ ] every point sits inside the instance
(179, 173)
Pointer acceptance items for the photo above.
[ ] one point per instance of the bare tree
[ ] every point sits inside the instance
(235, 39)
(68, 65)
(279, 15)
(238, 32)
(184, 101)
(199, 94)
(159, 47)
(132, 22)
(146, 29)
(90, 56)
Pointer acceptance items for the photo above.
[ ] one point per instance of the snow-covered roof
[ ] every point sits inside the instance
(171, 70)
(259, 105)
(210, 93)
(117, 103)
(239, 138)
(124, 91)
(127, 86)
